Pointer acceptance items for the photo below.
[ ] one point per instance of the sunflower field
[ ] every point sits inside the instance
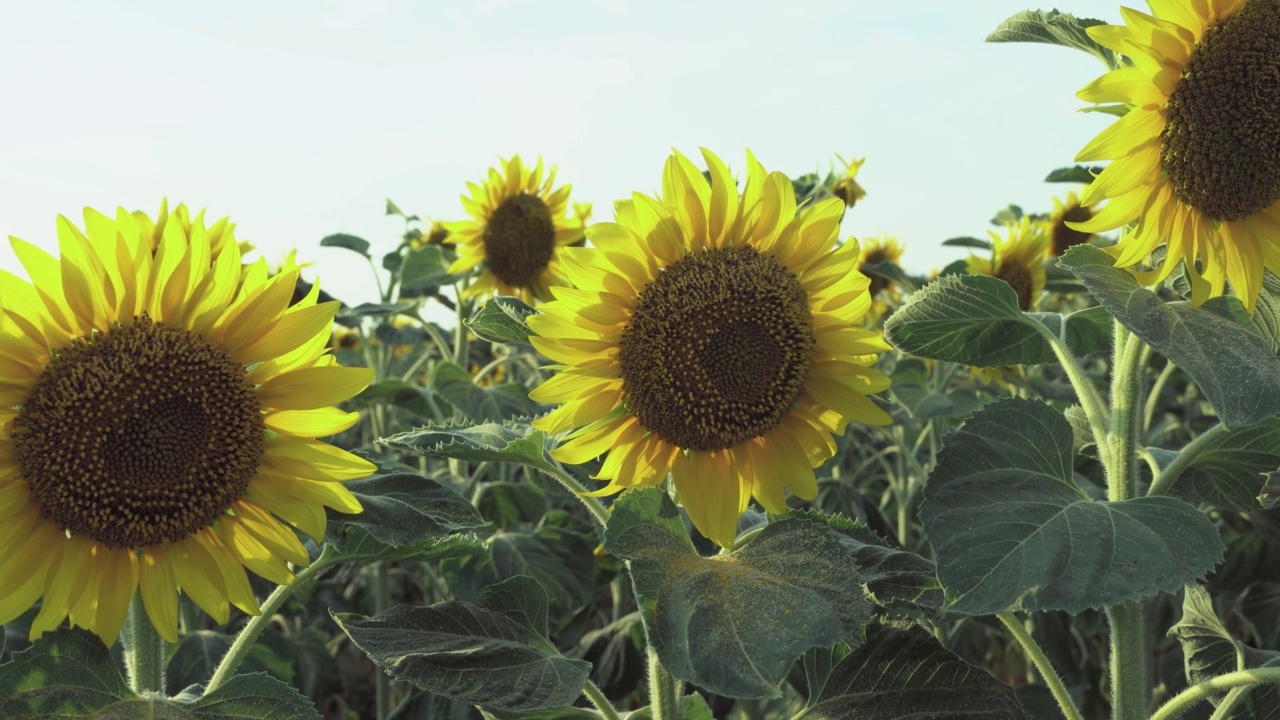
(698, 456)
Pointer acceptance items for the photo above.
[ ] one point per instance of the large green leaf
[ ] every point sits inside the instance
(904, 675)
(404, 508)
(975, 320)
(488, 654)
(502, 320)
(1209, 650)
(735, 623)
(426, 267)
(507, 441)
(1230, 471)
(1054, 28)
(1232, 364)
(70, 674)
(1012, 531)
(477, 403)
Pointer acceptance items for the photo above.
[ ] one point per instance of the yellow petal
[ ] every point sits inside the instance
(159, 591)
(314, 387)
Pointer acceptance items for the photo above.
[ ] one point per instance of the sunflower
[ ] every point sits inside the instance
(518, 226)
(711, 335)
(847, 188)
(1018, 259)
(1061, 234)
(220, 234)
(876, 251)
(159, 420)
(1196, 160)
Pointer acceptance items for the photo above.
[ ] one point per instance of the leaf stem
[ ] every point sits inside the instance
(1094, 410)
(244, 641)
(1153, 398)
(1037, 657)
(598, 699)
(1184, 700)
(558, 473)
(1164, 482)
(143, 650)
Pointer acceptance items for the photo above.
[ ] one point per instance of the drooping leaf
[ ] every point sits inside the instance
(347, 242)
(471, 653)
(477, 403)
(502, 320)
(975, 320)
(1233, 365)
(906, 674)
(1230, 471)
(404, 508)
(968, 242)
(735, 623)
(507, 441)
(1210, 650)
(1012, 531)
(1054, 28)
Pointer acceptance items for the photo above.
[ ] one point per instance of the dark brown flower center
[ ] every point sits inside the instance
(139, 435)
(1020, 279)
(519, 238)
(1063, 237)
(1221, 146)
(718, 349)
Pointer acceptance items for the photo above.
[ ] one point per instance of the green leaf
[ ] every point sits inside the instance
(1209, 650)
(693, 707)
(561, 559)
(427, 267)
(969, 319)
(70, 674)
(404, 508)
(1230, 471)
(1054, 28)
(392, 209)
(507, 503)
(348, 242)
(376, 309)
(399, 393)
(480, 404)
(354, 543)
(472, 653)
(1076, 173)
(1233, 365)
(906, 674)
(1084, 331)
(735, 623)
(507, 441)
(502, 320)
(968, 242)
(1012, 531)
(1008, 214)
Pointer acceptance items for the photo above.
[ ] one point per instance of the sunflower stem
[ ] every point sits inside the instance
(664, 701)
(1184, 700)
(249, 634)
(1164, 481)
(1129, 685)
(1094, 409)
(597, 698)
(143, 650)
(1041, 662)
(571, 483)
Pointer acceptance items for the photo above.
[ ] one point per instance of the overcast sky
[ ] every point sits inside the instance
(298, 119)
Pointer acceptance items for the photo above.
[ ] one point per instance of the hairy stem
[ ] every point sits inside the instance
(664, 701)
(598, 699)
(1184, 700)
(1164, 481)
(1037, 657)
(143, 650)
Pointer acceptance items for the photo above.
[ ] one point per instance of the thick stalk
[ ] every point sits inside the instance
(1041, 662)
(143, 650)
(244, 641)
(1186, 699)
(1129, 687)
(663, 699)
(1164, 481)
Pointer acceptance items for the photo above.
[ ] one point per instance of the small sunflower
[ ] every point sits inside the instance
(847, 187)
(1061, 234)
(1196, 160)
(1018, 259)
(159, 415)
(711, 336)
(875, 251)
(518, 226)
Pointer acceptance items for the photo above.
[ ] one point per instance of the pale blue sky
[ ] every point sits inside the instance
(298, 119)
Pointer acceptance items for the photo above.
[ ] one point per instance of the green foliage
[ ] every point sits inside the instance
(494, 654)
(900, 674)
(1013, 531)
(401, 508)
(1210, 650)
(513, 441)
(1231, 363)
(1054, 28)
(1074, 173)
(347, 242)
(71, 674)
(975, 320)
(735, 623)
(502, 319)
(480, 404)
(1230, 470)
